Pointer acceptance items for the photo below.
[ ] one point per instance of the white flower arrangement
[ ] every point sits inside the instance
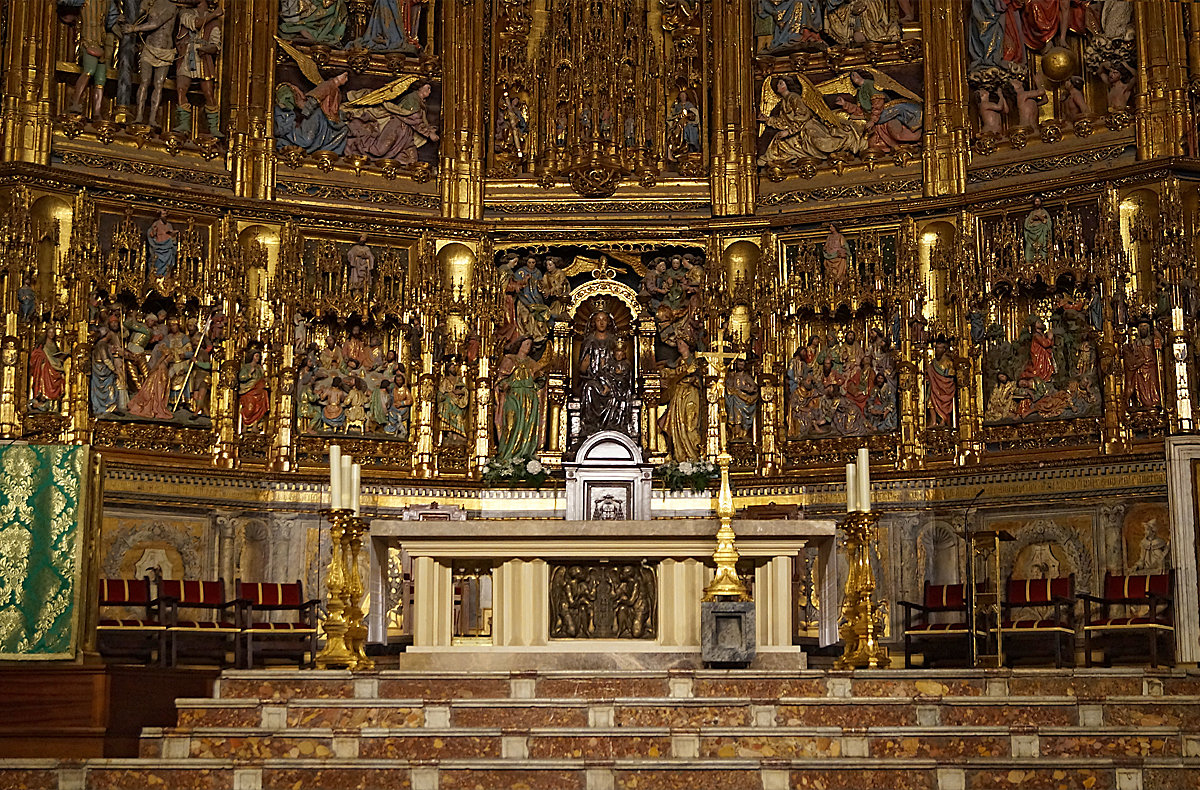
(681, 475)
(515, 470)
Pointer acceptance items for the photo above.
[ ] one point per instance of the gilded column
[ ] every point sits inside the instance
(81, 259)
(462, 143)
(947, 128)
(284, 295)
(1115, 437)
(1162, 105)
(969, 373)
(483, 416)
(250, 67)
(426, 465)
(773, 350)
(28, 83)
(909, 455)
(733, 145)
(1175, 256)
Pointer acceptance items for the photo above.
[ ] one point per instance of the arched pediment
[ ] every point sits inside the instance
(608, 448)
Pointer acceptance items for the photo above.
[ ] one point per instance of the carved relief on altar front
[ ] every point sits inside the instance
(603, 601)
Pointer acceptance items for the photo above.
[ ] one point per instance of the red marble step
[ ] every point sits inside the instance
(276, 685)
(943, 743)
(848, 712)
(840, 774)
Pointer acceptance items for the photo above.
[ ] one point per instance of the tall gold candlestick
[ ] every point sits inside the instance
(356, 631)
(336, 652)
(862, 616)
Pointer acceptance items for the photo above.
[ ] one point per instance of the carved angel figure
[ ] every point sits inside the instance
(804, 126)
(385, 129)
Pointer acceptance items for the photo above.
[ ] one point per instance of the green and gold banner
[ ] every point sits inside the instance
(43, 521)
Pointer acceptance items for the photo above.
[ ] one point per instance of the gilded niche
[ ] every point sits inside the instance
(594, 94)
(158, 324)
(357, 345)
(603, 602)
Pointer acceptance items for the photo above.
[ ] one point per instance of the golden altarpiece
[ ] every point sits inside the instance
(458, 237)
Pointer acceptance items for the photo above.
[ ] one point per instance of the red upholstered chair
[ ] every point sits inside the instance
(1149, 614)
(210, 635)
(291, 638)
(920, 623)
(122, 635)
(1052, 619)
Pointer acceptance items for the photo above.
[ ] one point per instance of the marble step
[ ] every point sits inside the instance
(949, 744)
(840, 774)
(1173, 711)
(288, 684)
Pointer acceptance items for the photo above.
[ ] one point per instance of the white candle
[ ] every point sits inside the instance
(851, 488)
(355, 486)
(347, 463)
(335, 477)
(864, 480)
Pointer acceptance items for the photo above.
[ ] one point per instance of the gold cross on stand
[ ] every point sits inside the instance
(717, 360)
(725, 583)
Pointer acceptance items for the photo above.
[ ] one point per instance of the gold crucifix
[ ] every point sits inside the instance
(717, 364)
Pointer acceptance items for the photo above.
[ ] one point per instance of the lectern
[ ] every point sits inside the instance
(985, 580)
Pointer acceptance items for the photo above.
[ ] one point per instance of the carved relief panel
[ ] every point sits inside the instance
(603, 602)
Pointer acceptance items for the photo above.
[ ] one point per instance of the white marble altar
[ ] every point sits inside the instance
(521, 552)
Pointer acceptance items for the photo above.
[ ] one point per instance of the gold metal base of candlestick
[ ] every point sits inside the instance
(337, 652)
(726, 583)
(863, 617)
(356, 631)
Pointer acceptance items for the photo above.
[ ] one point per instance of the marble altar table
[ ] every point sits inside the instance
(523, 554)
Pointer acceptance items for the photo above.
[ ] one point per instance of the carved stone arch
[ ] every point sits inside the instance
(610, 448)
(1044, 530)
(156, 531)
(937, 554)
(254, 560)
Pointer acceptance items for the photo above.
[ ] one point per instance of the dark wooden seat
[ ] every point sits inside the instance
(208, 636)
(1148, 615)
(293, 638)
(922, 624)
(1053, 618)
(120, 635)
